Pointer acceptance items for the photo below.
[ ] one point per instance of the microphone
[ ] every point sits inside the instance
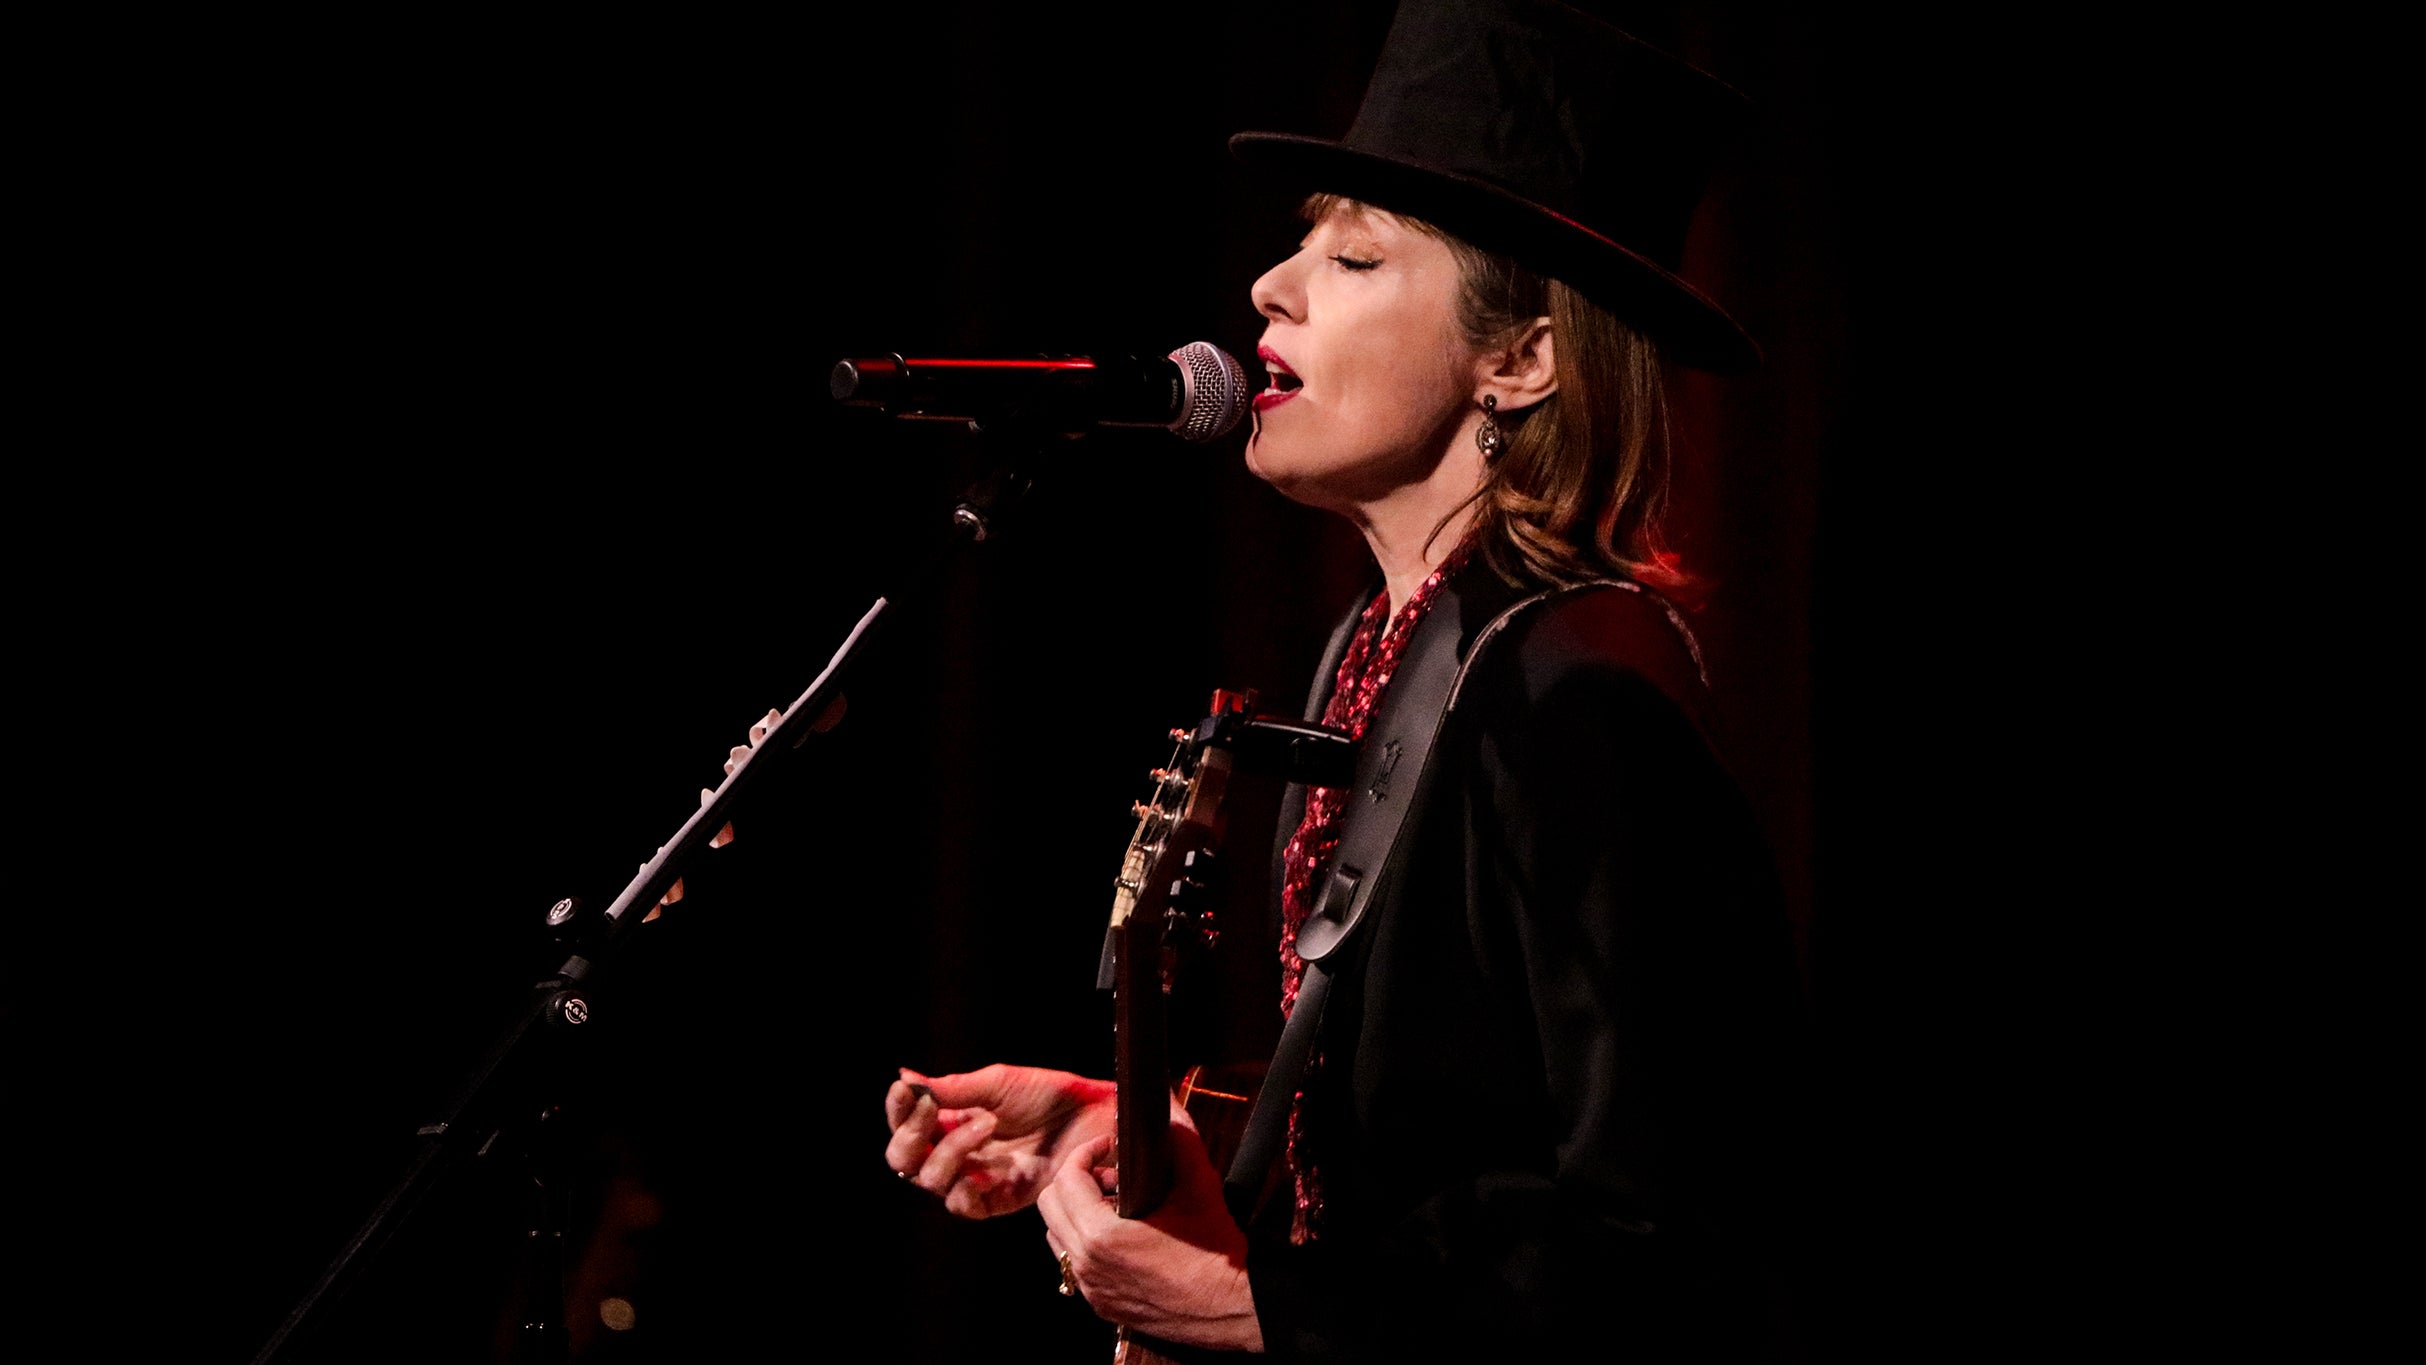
(1198, 391)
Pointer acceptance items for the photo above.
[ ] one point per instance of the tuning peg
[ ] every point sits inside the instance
(1164, 777)
(1143, 811)
(1195, 876)
(1199, 868)
(1177, 920)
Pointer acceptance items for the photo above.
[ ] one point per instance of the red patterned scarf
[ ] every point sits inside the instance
(1356, 693)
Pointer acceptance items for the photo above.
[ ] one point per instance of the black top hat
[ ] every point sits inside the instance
(1547, 136)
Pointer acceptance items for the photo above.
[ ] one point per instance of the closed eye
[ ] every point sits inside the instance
(1353, 263)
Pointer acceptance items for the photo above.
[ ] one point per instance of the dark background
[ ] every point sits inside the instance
(478, 488)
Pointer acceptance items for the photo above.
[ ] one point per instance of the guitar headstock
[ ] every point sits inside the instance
(1163, 876)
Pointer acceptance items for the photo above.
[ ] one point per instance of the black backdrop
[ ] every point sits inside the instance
(459, 484)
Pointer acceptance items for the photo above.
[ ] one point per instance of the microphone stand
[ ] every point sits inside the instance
(509, 1100)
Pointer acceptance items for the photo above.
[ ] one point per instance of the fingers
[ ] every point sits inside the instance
(941, 1170)
(1094, 1161)
(1076, 1213)
(1061, 1222)
(973, 1195)
(914, 1132)
(1068, 1261)
(933, 1147)
(1073, 1200)
(902, 1096)
(1091, 1168)
(984, 1087)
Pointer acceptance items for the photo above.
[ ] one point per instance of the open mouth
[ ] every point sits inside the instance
(1281, 383)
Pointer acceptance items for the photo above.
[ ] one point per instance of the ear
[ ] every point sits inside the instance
(1522, 373)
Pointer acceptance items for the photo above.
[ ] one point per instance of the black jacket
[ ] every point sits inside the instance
(1557, 1097)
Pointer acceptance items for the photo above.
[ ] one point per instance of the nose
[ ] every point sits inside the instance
(1280, 294)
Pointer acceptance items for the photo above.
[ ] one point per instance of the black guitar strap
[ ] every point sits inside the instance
(1393, 765)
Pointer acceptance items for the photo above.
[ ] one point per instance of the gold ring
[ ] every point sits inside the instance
(1069, 1284)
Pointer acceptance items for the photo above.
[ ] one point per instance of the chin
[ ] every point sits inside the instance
(1261, 464)
(1297, 485)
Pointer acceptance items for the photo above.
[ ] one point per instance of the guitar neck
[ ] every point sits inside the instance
(1141, 1066)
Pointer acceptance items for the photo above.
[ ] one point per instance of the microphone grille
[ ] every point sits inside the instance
(1213, 391)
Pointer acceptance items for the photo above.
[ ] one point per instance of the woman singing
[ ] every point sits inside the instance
(1545, 1105)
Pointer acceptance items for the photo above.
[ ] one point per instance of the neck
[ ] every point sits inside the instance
(1406, 560)
(1399, 526)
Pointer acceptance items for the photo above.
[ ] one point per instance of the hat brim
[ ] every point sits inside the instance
(1689, 328)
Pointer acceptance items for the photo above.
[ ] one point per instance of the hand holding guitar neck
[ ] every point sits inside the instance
(1176, 1274)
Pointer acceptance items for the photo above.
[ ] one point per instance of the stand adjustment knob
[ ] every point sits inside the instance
(571, 922)
(568, 1009)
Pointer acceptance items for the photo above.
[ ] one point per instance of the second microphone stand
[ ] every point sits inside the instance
(511, 1102)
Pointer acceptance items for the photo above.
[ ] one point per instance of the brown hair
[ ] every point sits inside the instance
(1580, 486)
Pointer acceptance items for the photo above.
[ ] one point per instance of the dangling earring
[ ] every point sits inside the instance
(1488, 436)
